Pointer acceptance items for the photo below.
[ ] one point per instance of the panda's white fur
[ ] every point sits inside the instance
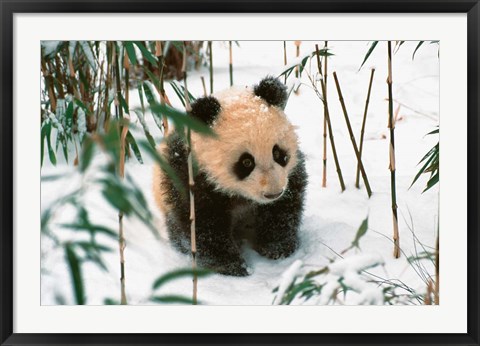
(246, 123)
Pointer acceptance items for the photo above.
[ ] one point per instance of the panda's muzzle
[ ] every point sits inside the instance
(272, 196)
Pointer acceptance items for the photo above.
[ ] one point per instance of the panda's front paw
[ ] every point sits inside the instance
(237, 268)
(277, 250)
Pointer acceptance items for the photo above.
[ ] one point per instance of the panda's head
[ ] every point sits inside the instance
(255, 148)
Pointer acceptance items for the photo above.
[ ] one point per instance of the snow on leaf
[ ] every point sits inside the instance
(288, 277)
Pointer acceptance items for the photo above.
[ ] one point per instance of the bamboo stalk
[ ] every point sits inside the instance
(352, 137)
(60, 77)
(121, 236)
(324, 174)
(99, 99)
(49, 84)
(191, 185)
(297, 54)
(204, 86)
(118, 84)
(437, 272)
(362, 132)
(329, 124)
(230, 65)
(108, 83)
(161, 92)
(121, 172)
(211, 66)
(391, 125)
(285, 58)
(126, 66)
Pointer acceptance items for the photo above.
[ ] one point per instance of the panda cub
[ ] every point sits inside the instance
(250, 179)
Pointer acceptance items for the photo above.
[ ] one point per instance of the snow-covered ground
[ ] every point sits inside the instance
(331, 218)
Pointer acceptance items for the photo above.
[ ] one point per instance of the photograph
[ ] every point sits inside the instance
(240, 172)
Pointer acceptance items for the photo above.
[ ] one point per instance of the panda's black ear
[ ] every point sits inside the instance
(272, 91)
(206, 109)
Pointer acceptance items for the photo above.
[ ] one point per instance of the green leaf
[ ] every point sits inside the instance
(130, 52)
(178, 45)
(51, 177)
(182, 120)
(369, 52)
(82, 106)
(154, 79)
(123, 103)
(92, 228)
(69, 117)
(131, 140)
(398, 45)
(75, 274)
(43, 134)
(172, 299)
(145, 128)
(165, 167)
(89, 246)
(51, 152)
(180, 91)
(422, 170)
(177, 274)
(432, 181)
(300, 65)
(87, 153)
(418, 46)
(146, 53)
(88, 53)
(360, 233)
(149, 90)
(110, 301)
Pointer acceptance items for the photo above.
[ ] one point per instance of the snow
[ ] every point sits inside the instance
(288, 277)
(331, 218)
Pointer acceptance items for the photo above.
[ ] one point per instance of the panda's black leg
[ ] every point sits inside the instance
(216, 248)
(278, 222)
(277, 230)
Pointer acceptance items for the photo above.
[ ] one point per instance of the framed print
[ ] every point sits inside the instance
(241, 173)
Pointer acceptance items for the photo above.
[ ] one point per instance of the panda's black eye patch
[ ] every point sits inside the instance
(244, 166)
(280, 156)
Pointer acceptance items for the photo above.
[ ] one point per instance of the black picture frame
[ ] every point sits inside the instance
(7, 175)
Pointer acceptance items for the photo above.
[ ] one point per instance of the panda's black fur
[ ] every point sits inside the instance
(275, 225)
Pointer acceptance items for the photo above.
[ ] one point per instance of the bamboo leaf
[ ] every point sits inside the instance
(165, 167)
(87, 51)
(418, 46)
(369, 52)
(432, 181)
(43, 134)
(146, 131)
(182, 120)
(69, 117)
(130, 52)
(149, 94)
(177, 274)
(180, 91)
(51, 152)
(75, 274)
(87, 153)
(172, 299)
(134, 146)
(146, 53)
(123, 104)
(91, 227)
(362, 230)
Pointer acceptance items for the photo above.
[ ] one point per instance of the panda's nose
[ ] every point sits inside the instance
(272, 195)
